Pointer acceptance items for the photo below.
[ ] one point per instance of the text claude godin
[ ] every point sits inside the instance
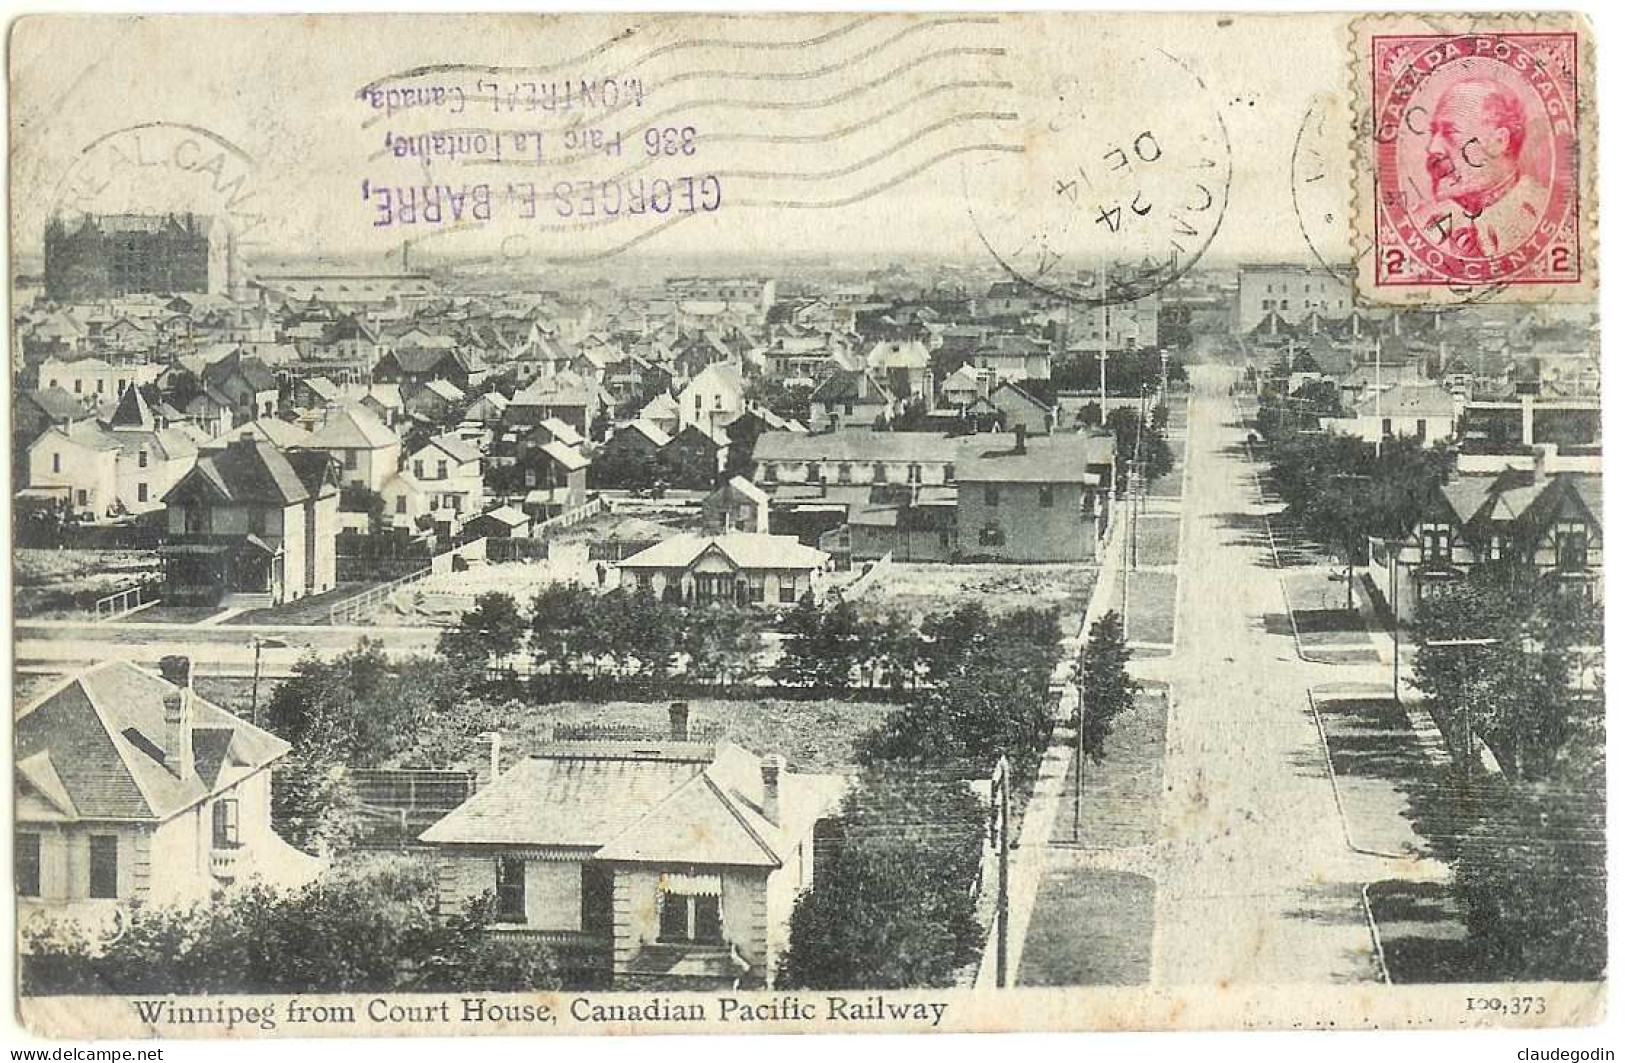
(516, 1012)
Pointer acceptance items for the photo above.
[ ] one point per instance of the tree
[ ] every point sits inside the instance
(892, 904)
(720, 641)
(1156, 458)
(1517, 688)
(821, 645)
(561, 619)
(492, 631)
(1108, 691)
(366, 927)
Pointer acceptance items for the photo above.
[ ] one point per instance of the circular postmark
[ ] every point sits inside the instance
(1108, 203)
(1474, 156)
(1320, 190)
(163, 170)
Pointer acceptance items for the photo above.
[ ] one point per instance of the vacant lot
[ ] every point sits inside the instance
(922, 589)
(70, 581)
(818, 735)
(1153, 596)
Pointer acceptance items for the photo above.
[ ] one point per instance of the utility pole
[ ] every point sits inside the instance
(1001, 969)
(1393, 610)
(1376, 344)
(1077, 767)
(254, 695)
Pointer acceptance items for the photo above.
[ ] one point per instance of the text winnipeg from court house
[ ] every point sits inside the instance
(613, 632)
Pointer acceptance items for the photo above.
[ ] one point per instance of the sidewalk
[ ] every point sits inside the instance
(1028, 856)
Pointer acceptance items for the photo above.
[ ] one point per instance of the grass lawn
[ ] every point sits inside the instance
(1170, 484)
(814, 736)
(311, 611)
(68, 581)
(1122, 793)
(230, 693)
(1379, 764)
(1423, 938)
(1089, 928)
(1152, 599)
(163, 613)
(1158, 540)
(924, 588)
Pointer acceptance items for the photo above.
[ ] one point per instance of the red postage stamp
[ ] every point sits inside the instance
(1475, 160)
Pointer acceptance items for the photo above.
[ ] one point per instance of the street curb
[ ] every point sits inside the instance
(1337, 790)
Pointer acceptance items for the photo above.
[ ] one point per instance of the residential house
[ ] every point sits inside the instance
(1425, 412)
(418, 365)
(740, 567)
(37, 409)
(250, 525)
(850, 397)
(284, 435)
(93, 379)
(714, 397)
(384, 402)
(662, 412)
(77, 463)
(211, 412)
(904, 367)
(437, 402)
(1013, 356)
(488, 409)
(554, 477)
(441, 479)
(737, 505)
(1040, 499)
(668, 863)
(563, 395)
(1548, 521)
(630, 456)
(693, 458)
(1018, 409)
(132, 789)
(365, 450)
(503, 522)
(245, 382)
(151, 457)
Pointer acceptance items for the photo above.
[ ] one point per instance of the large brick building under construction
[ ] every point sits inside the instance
(97, 256)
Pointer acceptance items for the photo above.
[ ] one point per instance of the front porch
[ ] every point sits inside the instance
(211, 570)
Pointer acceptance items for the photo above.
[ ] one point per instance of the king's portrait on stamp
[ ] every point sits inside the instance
(1476, 161)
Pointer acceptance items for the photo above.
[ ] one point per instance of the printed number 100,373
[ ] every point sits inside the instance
(1508, 1005)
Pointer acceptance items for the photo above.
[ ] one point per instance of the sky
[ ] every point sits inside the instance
(849, 135)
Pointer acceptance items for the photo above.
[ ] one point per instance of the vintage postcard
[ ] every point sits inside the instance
(847, 522)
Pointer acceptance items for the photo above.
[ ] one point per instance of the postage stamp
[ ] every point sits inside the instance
(1473, 149)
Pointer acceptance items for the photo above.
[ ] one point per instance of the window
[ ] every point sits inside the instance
(84, 497)
(352, 459)
(27, 863)
(1387, 427)
(439, 470)
(140, 492)
(990, 495)
(56, 462)
(843, 473)
(400, 503)
(948, 473)
(787, 591)
(991, 535)
(417, 469)
(1495, 548)
(101, 387)
(880, 472)
(815, 473)
(1436, 543)
(691, 917)
(1572, 544)
(224, 823)
(770, 472)
(141, 458)
(756, 587)
(646, 583)
(510, 889)
(1046, 496)
(1421, 430)
(78, 387)
(846, 408)
(914, 473)
(104, 866)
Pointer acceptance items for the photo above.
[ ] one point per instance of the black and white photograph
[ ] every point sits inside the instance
(833, 523)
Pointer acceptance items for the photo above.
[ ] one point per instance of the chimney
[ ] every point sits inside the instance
(679, 721)
(772, 769)
(1545, 453)
(496, 756)
(1021, 439)
(177, 735)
